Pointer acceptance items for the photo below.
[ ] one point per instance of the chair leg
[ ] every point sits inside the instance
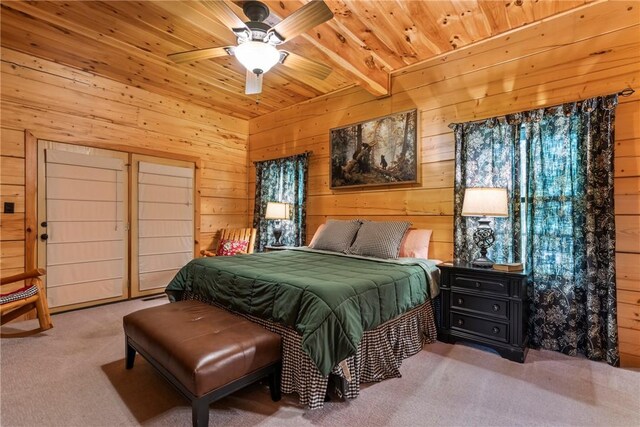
(200, 412)
(42, 309)
(274, 384)
(131, 355)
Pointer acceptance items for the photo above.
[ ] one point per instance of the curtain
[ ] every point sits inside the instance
(282, 180)
(487, 156)
(570, 245)
(557, 165)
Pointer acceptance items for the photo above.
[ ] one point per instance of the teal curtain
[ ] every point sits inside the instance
(281, 180)
(487, 156)
(557, 164)
(570, 243)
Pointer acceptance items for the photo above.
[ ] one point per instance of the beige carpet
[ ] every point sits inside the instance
(73, 375)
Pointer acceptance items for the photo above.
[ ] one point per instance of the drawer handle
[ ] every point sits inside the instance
(496, 330)
(496, 307)
(460, 301)
(460, 322)
(478, 284)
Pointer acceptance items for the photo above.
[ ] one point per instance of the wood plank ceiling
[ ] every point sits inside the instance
(364, 43)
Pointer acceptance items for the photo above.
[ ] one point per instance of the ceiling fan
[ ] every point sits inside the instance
(257, 41)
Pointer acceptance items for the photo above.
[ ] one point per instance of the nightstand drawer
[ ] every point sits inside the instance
(481, 284)
(486, 306)
(493, 330)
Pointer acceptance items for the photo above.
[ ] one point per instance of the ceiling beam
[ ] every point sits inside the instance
(342, 49)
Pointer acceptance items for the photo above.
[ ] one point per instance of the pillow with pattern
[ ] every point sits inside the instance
(379, 239)
(231, 247)
(336, 235)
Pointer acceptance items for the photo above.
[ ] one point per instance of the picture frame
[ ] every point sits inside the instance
(380, 151)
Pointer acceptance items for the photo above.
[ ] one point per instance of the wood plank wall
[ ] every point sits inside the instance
(64, 104)
(592, 51)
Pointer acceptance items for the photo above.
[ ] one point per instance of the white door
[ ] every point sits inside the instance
(162, 237)
(82, 219)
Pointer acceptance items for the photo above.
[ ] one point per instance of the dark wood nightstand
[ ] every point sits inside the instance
(485, 306)
(269, 248)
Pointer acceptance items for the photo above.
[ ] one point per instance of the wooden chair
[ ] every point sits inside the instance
(30, 297)
(242, 234)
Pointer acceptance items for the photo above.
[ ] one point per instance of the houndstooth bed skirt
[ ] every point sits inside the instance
(378, 357)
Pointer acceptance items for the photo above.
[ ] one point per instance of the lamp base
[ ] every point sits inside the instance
(277, 233)
(483, 237)
(482, 262)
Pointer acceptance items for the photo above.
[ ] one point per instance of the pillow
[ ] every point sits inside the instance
(336, 235)
(379, 239)
(415, 244)
(315, 235)
(231, 247)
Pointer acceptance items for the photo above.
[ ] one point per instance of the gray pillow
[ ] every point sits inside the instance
(337, 235)
(379, 239)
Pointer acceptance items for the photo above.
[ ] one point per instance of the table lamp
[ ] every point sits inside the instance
(484, 202)
(277, 211)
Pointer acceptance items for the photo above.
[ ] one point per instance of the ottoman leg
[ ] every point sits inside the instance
(200, 412)
(274, 383)
(131, 355)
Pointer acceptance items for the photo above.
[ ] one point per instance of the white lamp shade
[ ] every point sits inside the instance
(277, 210)
(485, 202)
(257, 56)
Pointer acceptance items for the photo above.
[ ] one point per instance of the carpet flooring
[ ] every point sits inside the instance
(73, 375)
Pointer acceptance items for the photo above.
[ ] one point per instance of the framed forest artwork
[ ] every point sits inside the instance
(381, 151)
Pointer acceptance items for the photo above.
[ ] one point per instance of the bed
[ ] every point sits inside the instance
(352, 316)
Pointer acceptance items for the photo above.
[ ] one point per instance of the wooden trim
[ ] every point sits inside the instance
(197, 177)
(64, 308)
(30, 200)
(132, 150)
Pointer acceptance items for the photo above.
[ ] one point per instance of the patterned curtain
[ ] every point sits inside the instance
(282, 180)
(570, 244)
(487, 155)
(561, 160)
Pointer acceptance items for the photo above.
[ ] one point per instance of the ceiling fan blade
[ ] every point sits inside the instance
(198, 54)
(226, 15)
(253, 84)
(306, 66)
(308, 16)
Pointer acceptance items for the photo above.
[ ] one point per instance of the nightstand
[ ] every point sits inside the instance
(485, 306)
(269, 248)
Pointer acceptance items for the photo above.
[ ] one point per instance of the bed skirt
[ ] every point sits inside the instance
(378, 357)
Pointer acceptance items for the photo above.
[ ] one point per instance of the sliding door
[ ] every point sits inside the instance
(162, 238)
(82, 224)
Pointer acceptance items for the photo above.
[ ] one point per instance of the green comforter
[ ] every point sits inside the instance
(329, 298)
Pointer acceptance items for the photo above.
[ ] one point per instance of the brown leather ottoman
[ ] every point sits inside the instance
(204, 351)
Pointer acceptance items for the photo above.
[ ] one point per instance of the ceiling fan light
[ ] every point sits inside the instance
(257, 57)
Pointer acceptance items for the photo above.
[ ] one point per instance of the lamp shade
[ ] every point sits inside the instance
(257, 57)
(485, 201)
(277, 210)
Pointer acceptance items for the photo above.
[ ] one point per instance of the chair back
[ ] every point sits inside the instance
(242, 234)
(17, 302)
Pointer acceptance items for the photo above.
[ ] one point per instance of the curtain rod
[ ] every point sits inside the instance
(308, 152)
(624, 92)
